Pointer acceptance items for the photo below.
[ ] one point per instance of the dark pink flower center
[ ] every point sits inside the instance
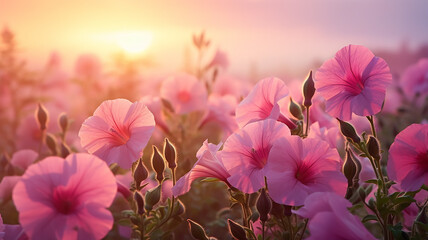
(260, 156)
(64, 200)
(120, 135)
(422, 160)
(305, 174)
(184, 96)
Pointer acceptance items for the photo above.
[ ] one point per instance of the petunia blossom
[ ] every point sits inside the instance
(6, 187)
(245, 153)
(66, 198)
(24, 158)
(118, 131)
(185, 93)
(354, 81)
(408, 157)
(306, 165)
(415, 80)
(329, 218)
(208, 165)
(262, 103)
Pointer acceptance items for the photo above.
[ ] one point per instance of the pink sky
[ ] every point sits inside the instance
(273, 35)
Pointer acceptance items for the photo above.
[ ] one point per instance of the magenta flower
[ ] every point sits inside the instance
(24, 158)
(262, 103)
(408, 157)
(6, 187)
(66, 198)
(307, 166)
(185, 93)
(118, 131)
(415, 79)
(208, 165)
(354, 81)
(245, 153)
(329, 218)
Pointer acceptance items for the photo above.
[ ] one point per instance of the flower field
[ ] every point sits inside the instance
(111, 153)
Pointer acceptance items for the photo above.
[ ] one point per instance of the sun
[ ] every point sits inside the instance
(134, 42)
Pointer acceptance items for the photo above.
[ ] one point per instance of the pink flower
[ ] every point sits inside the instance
(1, 229)
(227, 85)
(220, 59)
(306, 166)
(185, 93)
(88, 66)
(415, 79)
(408, 157)
(262, 103)
(24, 158)
(118, 131)
(353, 82)
(329, 218)
(6, 187)
(66, 198)
(208, 165)
(245, 153)
(330, 135)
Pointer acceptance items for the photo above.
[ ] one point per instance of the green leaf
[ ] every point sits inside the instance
(127, 213)
(374, 181)
(369, 218)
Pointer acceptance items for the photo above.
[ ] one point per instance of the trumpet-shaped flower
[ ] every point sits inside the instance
(24, 158)
(262, 103)
(118, 131)
(408, 157)
(185, 93)
(306, 166)
(246, 152)
(208, 165)
(354, 81)
(329, 218)
(66, 198)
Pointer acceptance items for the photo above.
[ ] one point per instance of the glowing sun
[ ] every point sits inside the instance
(134, 42)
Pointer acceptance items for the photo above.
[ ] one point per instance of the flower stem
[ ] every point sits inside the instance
(307, 121)
(371, 120)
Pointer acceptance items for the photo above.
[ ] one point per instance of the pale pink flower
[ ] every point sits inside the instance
(185, 93)
(220, 59)
(330, 135)
(353, 82)
(6, 187)
(24, 158)
(415, 79)
(118, 131)
(66, 198)
(408, 157)
(208, 165)
(154, 104)
(306, 165)
(329, 218)
(88, 66)
(225, 85)
(245, 153)
(262, 103)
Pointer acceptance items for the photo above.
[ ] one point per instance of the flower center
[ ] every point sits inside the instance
(422, 160)
(260, 156)
(64, 200)
(120, 136)
(184, 96)
(305, 174)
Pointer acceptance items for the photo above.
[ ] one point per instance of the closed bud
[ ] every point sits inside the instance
(152, 197)
(236, 230)
(179, 208)
(295, 109)
(140, 173)
(51, 143)
(373, 148)
(158, 164)
(63, 122)
(348, 131)
(42, 117)
(264, 205)
(197, 231)
(139, 202)
(170, 154)
(65, 150)
(349, 168)
(308, 90)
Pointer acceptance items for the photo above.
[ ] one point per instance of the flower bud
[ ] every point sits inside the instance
(236, 230)
(140, 173)
(264, 205)
(65, 150)
(139, 202)
(42, 117)
(349, 131)
(63, 122)
(152, 197)
(295, 109)
(158, 164)
(170, 154)
(308, 90)
(197, 231)
(51, 143)
(373, 148)
(351, 169)
(179, 208)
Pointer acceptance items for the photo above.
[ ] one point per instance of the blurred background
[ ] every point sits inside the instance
(261, 38)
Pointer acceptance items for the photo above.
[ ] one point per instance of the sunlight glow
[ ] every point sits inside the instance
(134, 42)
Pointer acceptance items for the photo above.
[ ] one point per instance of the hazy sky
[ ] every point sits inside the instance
(273, 35)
